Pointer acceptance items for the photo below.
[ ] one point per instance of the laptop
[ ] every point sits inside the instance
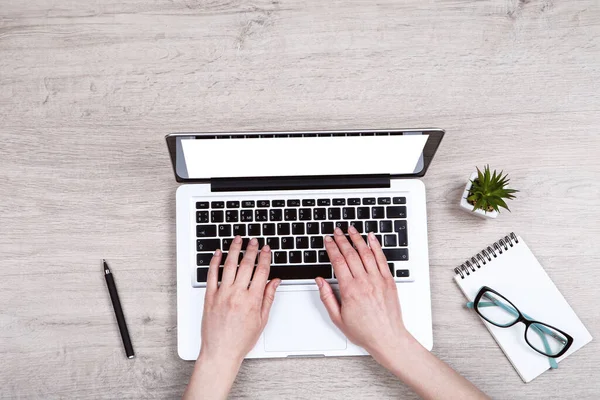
(289, 190)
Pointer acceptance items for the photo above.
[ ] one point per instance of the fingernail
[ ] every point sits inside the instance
(338, 231)
(319, 282)
(328, 238)
(238, 239)
(254, 241)
(352, 229)
(371, 236)
(217, 253)
(266, 248)
(277, 284)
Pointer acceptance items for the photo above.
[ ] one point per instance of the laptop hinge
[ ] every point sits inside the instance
(300, 183)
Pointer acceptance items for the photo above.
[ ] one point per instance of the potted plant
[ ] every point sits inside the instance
(485, 193)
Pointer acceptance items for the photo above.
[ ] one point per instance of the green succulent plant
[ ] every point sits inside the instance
(488, 191)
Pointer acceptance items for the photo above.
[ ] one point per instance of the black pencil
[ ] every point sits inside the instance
(114, 296)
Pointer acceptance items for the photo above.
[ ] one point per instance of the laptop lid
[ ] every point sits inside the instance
(209, 157)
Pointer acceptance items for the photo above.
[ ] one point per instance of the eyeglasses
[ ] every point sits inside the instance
(501, 312)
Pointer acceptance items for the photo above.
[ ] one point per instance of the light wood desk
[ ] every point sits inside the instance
(88, 89)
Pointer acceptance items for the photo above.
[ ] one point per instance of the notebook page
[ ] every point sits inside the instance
(518, 276)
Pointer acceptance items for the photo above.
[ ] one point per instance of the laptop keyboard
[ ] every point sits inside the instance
(295, 229)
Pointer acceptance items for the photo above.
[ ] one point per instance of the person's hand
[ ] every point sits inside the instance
(369, 313)
(236, 311)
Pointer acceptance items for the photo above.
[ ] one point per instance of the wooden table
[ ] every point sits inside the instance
(88, 90)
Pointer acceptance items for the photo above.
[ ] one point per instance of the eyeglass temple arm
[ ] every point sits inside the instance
(539, 330)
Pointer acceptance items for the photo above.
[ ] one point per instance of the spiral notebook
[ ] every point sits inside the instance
(509, 267)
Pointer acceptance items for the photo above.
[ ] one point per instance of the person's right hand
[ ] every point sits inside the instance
(369, 313)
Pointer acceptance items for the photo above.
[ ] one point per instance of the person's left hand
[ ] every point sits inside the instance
(236, 311)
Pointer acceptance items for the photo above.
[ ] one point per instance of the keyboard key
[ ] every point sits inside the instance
(308, 202)
(295, 257)
(206, 230)
(253, 230)
(377, 213)
(316, 242)
(287, 242)
(224, 230)
(201, 204)
(371, 226)
(275, 214)
(343, 225)
(349, 213)
(323, 202)
(323, 256)
(399, 200)
(389, 240)
(379, 239)
(248, 203)
(239, 229)
(297, 228)
(286, 272)
(302, 242)
(247, 216)
(273, 243)
(280, 257)
(261, 242)
(396, 212)
(334, 213)
(268, 229)
(201, 217)
(384, 200)
(391, 267)
(310, 256)
(354, 202)
(263, 203)
(396, 254)
(312, 228)
(208, 244)
(363, 213)
(261, 215)
(233, 204)
(217, 204)
(401, 228)
(358, 225)
(368, 201)
(283, 228)
(278, 203)
(203, 259)
(202, 274)
(231, 216)
(319, 214)
(385, 226)
(339, 202)
(402, 273)
(290, 214)
(305, 214)
(326, 228)
(227, 244)
(293, 203)
(216, 216)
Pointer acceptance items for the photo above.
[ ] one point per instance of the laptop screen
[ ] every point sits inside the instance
(200, 157)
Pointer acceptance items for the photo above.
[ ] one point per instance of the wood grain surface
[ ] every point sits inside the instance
(89, 88)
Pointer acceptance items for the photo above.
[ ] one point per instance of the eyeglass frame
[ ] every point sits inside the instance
(525, 319)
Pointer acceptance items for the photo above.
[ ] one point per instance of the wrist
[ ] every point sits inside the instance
(397, 352)
(225, 364)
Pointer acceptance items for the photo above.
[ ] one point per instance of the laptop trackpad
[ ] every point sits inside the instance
(299, 322)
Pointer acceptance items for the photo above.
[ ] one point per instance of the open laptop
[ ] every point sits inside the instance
(289, 189)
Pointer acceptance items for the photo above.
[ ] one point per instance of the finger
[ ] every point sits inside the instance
(247, 265)
(365, 253)
(342, 272)
(212, 280)
(382, 262)
(268, 298)
(330, 301)
(261, 275)
(352, 258)
(231, 262)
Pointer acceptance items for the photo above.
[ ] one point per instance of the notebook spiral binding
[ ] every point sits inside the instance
(479, 259)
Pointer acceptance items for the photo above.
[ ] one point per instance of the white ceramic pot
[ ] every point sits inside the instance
(464, 204)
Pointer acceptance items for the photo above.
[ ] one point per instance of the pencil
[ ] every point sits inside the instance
(114, 296)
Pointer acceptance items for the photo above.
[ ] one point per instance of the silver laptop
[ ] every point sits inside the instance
(289, 189)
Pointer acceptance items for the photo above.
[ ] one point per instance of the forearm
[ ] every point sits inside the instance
(427, 375)
(212, 379)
